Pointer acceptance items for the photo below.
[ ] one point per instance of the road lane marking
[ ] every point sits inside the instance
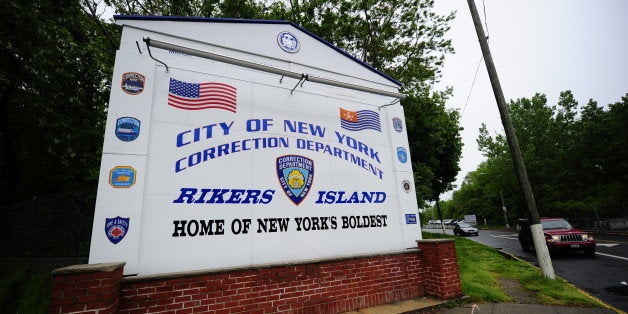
(612, 241)
(609, 255)
(607, 244)
(505, 236)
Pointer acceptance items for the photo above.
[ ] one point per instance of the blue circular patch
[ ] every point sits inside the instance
(127, 129)
(288, 42)
(402, 155)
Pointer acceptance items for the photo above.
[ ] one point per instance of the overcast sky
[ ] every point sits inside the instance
(537, 46)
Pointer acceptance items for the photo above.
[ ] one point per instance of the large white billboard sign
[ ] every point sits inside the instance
(211, 165)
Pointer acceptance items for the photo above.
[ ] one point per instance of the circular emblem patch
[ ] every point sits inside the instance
(402, 155)
(127, 128)
(288, 42)
(397, 124)
(132, 83)
(406, 186)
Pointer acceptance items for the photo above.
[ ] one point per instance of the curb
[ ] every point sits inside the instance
(615, 233)
(608, 306)
(447, 304)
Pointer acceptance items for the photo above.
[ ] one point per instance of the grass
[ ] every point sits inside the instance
(481, 268)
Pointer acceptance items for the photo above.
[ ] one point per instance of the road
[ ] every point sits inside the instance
(598, 276)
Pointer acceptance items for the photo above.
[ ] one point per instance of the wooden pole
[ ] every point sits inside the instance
(540, 246)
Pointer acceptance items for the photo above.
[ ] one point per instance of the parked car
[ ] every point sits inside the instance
(463, 228)
(559, 235)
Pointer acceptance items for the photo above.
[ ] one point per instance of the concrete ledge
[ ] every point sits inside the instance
(88, 268)
(434, 241)
(264, 266)
(419, 305)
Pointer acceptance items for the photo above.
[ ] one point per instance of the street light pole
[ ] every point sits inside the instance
(540, 246)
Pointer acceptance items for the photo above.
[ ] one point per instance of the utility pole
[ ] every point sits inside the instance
(504, 208)
(542, 253)
(440, 216)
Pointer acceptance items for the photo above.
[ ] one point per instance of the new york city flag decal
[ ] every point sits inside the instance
(359, 120)
(198, 96)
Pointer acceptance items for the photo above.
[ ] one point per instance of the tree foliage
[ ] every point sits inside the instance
(435, 144)
(575, 156)
(55, 68)
(404, 38)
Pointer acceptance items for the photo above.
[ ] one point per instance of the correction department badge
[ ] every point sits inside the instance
(132, 83)
(288, 42)
(296, 174)
(122, 176)
(127, 129)
(116, 228)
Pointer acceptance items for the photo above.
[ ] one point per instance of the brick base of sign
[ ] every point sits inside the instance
(326, 286)
(92, 288)
(440, 268)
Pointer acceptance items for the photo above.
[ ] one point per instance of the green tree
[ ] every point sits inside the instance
(244, 9)
(403, 38)
(435, 145)
(55, 68)
(575, 158)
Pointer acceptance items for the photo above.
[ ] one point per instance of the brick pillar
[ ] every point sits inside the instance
(89, 288)
(440, 268)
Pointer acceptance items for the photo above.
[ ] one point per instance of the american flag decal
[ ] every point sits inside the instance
(359, 120)
(198, 96)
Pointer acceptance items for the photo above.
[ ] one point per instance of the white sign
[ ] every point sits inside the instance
(209, 165)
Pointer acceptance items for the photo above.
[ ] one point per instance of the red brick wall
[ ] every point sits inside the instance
(441, 273)
(323, 287)
(330, 286)
(86, 288)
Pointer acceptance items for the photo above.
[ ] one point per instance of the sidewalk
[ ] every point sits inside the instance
(433, 306)
(511, 308)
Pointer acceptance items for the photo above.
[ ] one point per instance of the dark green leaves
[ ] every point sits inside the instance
(575, 156)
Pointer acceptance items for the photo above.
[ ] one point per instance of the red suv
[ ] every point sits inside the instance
(559, 235)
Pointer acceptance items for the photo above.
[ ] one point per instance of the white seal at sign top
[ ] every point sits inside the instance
(288, 42)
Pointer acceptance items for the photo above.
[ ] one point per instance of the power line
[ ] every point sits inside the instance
(479, 62)
(471, 88)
